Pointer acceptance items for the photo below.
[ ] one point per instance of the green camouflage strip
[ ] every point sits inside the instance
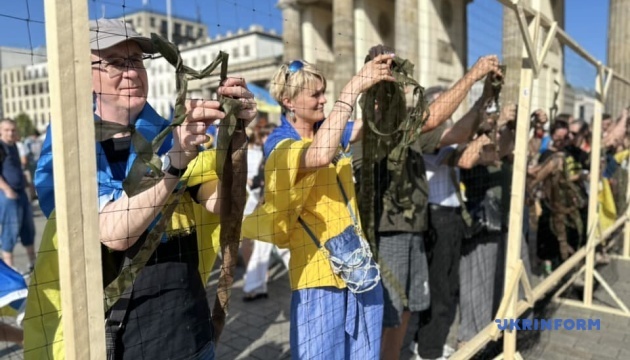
(389, 133)
(146, 169)
(564, 199)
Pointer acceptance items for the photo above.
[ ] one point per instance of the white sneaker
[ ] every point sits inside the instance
(413, 347)
(447, 351)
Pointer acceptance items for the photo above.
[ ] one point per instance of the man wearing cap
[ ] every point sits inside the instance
(166, 315)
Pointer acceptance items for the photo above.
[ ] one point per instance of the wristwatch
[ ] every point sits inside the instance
(168, 168)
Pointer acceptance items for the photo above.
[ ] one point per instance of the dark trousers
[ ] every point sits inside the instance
(444, 241)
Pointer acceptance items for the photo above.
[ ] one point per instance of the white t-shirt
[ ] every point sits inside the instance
(441, 185)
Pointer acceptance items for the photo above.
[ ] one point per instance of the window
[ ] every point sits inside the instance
(12, 77)
(5, 78)
(194, 62)
(33, 89)
(200, 32)
(13, 106)
(204, 60)
(26, 90)
(130, 21)
(36, 73)
(164, 28)
(152, 21)
(34, 104)
(178, 29)
(27, 104)
(139, 21)
(41, 88)
(189, 31)
(246, 50)
(41, 103)
(235, 52)
(12, 92)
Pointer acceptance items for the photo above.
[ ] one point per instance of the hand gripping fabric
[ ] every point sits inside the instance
(391, 129)
(146, 171)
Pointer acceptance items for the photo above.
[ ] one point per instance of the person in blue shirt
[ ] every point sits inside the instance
(16, 213)
(167, 314)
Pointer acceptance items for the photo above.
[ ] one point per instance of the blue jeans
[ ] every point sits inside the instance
(207, 353)
(16, 220)
(336, 324)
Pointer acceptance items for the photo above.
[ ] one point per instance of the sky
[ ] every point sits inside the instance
(22, 23)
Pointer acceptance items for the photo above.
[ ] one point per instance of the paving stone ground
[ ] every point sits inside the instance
(260, 330)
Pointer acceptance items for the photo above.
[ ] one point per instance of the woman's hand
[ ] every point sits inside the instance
(373, 72)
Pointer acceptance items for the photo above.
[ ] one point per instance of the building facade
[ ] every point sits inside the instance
(336, 35)
(11, 57)
(183, 30)
(253, 54)
(26, 91)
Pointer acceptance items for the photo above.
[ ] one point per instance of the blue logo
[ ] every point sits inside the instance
(548, 324)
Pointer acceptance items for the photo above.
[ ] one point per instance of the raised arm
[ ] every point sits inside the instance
(133, 216)
(324, 147)
(446, 104)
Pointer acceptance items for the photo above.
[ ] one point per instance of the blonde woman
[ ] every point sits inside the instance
(310, 208)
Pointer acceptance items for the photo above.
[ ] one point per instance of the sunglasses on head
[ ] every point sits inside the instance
(293, 67)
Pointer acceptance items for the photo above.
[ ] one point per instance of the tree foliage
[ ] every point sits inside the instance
(24, 125)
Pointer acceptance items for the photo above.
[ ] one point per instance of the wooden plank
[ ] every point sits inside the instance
(626, 231)
(551, 36)
(67, 38)
(593, 199)
(530, 47)
(604, 309)
(517, 197)
(611, 292)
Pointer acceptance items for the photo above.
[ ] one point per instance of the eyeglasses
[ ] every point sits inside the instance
(294, 66)
(116, 66)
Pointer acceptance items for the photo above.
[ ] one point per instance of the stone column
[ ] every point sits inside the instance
(291, 29)
(343, 42)
(512, 56)
(406, 32)
(618, 55)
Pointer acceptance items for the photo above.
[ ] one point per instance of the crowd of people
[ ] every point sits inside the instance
(350, 298)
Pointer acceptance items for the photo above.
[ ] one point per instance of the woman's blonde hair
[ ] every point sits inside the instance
(287, 85)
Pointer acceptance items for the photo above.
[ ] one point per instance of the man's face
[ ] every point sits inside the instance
(606, 124)
(559, 138)
(576, 135)
(8, 132)
(118, 83)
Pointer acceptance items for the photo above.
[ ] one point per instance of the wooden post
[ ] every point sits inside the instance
(517, 199)
(80, 274)
(626, 231)
(593, 216)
